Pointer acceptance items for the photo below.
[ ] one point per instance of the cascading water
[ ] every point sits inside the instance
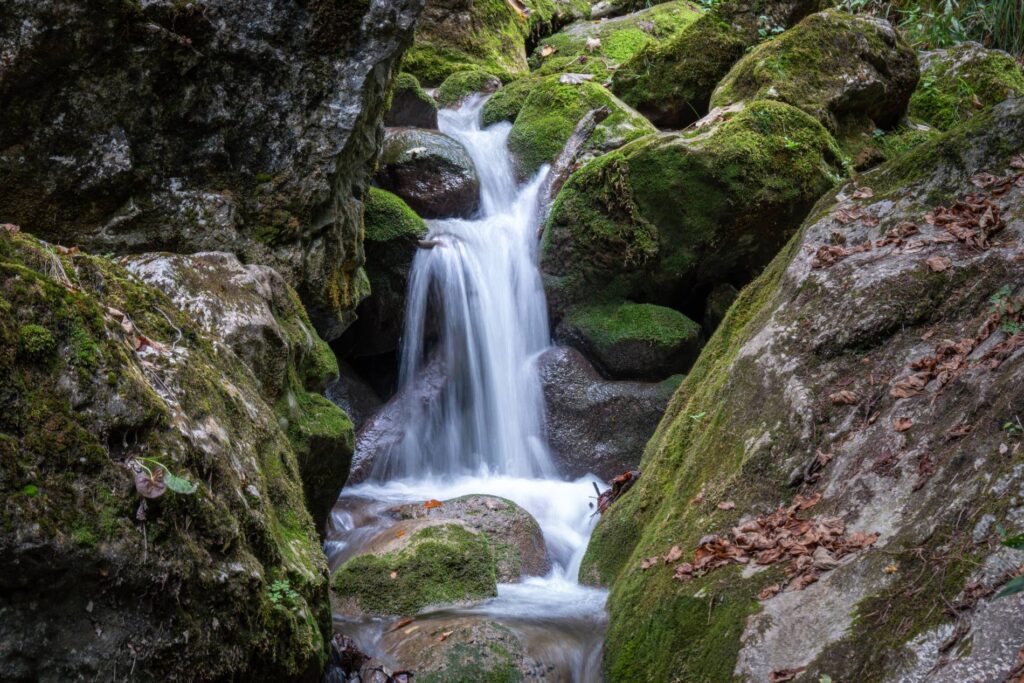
(484, 432)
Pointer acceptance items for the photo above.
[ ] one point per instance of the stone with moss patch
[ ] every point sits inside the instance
(430, 171)
(411, 105)
(551, 112)
(70, 522)
(847, 71)
(668, 215)
(462, 84)
(633, 341)
(748, 420)
(438, 565)
(506, 104)
(961, 81)
(671, 83)
(599, 47)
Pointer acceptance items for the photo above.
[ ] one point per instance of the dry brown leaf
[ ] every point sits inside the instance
(648, 562)
(782, 675)
(769, 592)
(863, 193)
(401, 623)
(726, 505)
(938, 264)
(674, 553)
(10, 228)
(548, 50)
(891, 569)
(444, 636)
(843, 398)
(393, 575)
(902, 424)
(431, 504)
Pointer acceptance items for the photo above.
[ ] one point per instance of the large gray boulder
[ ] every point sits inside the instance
(432, 172)
(192, 126)
(597, 426)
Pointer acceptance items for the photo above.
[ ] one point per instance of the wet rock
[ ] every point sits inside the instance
(222, 125)
(852, 73)
(462, 84)
(632, 341)
(595, 425)
(353, 394)
(671, 83)
(102, 582)
(393, 231)
(717, 305)
(670, 215)
(431, 172)
(253, 310)
(433, 565)
(411, 106)
(961, 81)
(514, 534)
(913, 451)
(599, 47)
(549, 115)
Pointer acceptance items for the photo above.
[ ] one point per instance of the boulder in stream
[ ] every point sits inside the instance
(411, 105)
(430, 171)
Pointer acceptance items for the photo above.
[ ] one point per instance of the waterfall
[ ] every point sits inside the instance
(481, 284)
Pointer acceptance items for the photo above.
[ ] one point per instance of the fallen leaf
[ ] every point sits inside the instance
(843, 398)
(937, 264)
(394, 575)
(10, 228)
(431, 504)
(648, 562)
(444, 636)
(548, 50)
(782, 675)
(769, 592)
(699, 498)
(673, 554)
(863, 193)
(726, 505)
(150, 485)
(902, 424)
(400, 533)
(891, 569)
(400, 623)
(683, 572)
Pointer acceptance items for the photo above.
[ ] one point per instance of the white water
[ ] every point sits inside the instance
(485, 434)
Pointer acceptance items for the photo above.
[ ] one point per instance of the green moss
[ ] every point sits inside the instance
(387, 217)
(671, 83)
(657, 325)
(483, 662)
(505, 104)
(551, 112)
(959, 82)
(462, 84)
(440, 565)
(667, 213)
(619, 39)
(35, 341)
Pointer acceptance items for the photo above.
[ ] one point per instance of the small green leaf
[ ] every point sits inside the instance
(698, 416)
(30, 490)
(1012, 588)
(1014, 542)
(179, 484)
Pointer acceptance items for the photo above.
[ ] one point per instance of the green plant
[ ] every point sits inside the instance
(1009, 308)
(282, 594)
(1013, 427)
(1015, 585)
(35, 340)
(153, 478)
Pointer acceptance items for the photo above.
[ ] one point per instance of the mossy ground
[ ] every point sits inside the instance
(441, 564)
(657, 325)
(387, 217)
(506, 104)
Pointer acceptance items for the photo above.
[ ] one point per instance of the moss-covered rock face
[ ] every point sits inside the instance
(181, 135)
(671, 83)
(961, 81)
(599, 47)
(430, 171)
(254, 311)
(806, 389)
(100, 368)
(669, 214)
(549, 116)
(437, 565)
(633, 341)
(392, 233)
(506, 104)
(411, 105)
(846, 71)
(461, 84)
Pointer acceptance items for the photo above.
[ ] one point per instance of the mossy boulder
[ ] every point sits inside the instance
(632, 341)
(506, 104)
(551, 112)
(441, 564)
(599, 47)
(515, 536)
(849, 72)
(462, 84)
(761, 418)
(254, 311)
(127, 374)
(393, 231)
(671, 82)
(961, 81)
(430, 171)
(668, 216)
(411, 105)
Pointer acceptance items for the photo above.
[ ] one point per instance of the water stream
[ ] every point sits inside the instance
(484, 434)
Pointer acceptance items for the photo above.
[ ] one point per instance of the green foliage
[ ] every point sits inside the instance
(35, 341)
(281, 594)
(387, 217)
